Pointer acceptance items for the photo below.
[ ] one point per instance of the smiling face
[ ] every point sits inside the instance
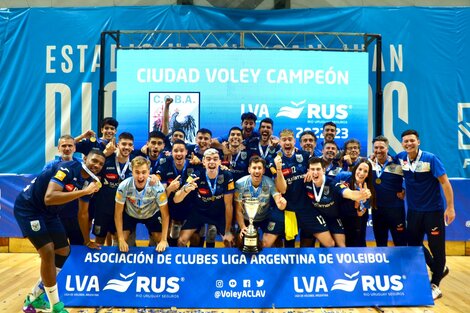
(329, 133)
(235, 138)
(362, 172)
(203, 140)
(287, 143)
(266, 131)
(179, 153)
(318, 172)
(353, 149)
(381, 151)
(211, 162)
(140, 174)
(411, 144)
(256, 170)
(155, 147)
(308, 143)
(108, 132)
(125, 147)
(66, 149)
(94, 162)
(329, 151)
(248, 126)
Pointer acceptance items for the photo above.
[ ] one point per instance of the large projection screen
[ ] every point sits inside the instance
(298, 89)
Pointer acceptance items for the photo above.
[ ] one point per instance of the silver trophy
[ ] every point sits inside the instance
(251, 242)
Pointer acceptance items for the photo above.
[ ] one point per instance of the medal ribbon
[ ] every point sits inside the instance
(260, 148)
(139, 196)
(234, 162)
(89, 172)
(122, 173)
(212, 187)
(320, 193)
(379, 170)
(415, 162)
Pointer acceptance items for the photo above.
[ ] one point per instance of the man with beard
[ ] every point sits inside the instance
(308, 142)
(329, 134)
(235, 157)
(115, 170)
(289, 168)
(88, 141)
(144, 203)
(330, 150)
(264, 145)
(248, 127)
(36, 211)
(153, 149)
(388, 183)
(212, 199)
(173, 172)
(425, 176)
(203, 142)
(269, 218)
(69, 214)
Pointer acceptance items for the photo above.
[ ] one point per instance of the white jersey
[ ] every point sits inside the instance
(141, 204)
(244, 190)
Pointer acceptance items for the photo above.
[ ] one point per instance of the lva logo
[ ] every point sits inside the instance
(315, 284)
(143, 284)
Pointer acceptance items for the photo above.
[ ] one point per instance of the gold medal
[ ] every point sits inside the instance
(378, 181)
(98, 183)
(92, 139)
(213, 198)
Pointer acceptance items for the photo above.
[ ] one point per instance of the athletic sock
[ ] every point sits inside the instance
(52, 294)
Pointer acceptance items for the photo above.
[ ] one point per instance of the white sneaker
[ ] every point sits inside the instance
(436, 292)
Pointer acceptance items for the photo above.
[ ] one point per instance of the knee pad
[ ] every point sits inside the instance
(60, 260)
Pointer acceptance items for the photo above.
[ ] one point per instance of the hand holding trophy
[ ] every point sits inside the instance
(250, 241)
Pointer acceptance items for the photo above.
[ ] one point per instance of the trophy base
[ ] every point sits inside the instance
(251, 244)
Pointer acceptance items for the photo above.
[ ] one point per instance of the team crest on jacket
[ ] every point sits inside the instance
(190, 171)
(162, 160)
(243, 155)
(35, 225)
(271, 226)
(299, 158)
(326, 190)
(220, 179)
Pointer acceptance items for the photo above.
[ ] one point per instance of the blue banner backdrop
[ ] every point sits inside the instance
(49, 63)
(225, 278)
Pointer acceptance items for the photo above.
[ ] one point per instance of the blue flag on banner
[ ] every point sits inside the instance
(226, 278)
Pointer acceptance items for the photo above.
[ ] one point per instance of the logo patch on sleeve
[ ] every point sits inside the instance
(60, 175)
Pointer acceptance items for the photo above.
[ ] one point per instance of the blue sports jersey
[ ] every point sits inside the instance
(333, 169)
(239, 164)
(212, 203)
(70, 209)
(328, 205)
(264, 192)
(66, 174)
(294, 170)
(349, 207)
(423, 190)
(389, 184)
(266, 152)
(167, 171)
(86, 145)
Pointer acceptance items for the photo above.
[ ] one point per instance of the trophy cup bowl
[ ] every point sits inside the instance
(251, 242)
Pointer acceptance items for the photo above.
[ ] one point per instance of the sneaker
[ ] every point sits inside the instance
(445, 272)
(34, 305)
(436, 292)
(59, 308)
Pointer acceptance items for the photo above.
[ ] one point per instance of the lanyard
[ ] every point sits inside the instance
(320, 193)
(379, 170)
(139, 195)
(233, 163)
(209, 182)
(122, 173)
(260, 148)
(182, 171)
(89, 172)
(415, 162)
(254, 192)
